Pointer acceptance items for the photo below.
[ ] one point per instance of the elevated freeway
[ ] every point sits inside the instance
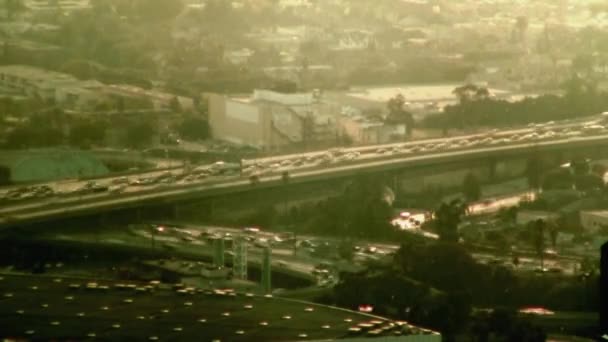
(70, 206)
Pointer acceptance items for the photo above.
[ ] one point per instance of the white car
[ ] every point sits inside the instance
(120, 180)
(593, 128)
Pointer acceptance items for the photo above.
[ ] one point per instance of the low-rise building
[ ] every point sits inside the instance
(50, 86)
(364, 130)
(159, 99)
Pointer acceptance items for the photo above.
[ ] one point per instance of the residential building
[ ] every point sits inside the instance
(361, 130)
(30, 52)
(160, 100)
(369, 129)
(50, 86)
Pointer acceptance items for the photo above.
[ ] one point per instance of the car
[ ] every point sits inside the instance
(261, 243)
(136, 182)
(307, 244)
(117, 189)
(99, 188)
(549, 251)
(120, 180)
(164, 175)
(371, 249)
(593, 128)
(251, 230)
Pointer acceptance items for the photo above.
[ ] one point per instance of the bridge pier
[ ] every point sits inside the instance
(138, 216)
(492, 166)
(176, 211)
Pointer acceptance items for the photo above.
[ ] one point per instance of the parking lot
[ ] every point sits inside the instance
(44, 307)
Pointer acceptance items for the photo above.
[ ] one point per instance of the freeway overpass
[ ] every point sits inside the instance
(390, 166)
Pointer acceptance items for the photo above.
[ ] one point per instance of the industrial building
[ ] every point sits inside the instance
(270, 120)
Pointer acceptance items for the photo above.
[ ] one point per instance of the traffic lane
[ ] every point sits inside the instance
(332, 172)
(421, 157)
(495, 204)
(73, 198)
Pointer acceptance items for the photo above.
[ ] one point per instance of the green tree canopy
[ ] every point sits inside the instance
(447, 218)
(471, 187)
(193, 128)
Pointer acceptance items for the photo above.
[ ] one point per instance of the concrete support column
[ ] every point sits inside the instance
(492, 168)
(176, 211)
(396, 183)
(604, 289)
(266, 270)
(559, 157)
(138, 215)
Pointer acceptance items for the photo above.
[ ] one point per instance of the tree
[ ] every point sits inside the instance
(40, 131)
(346, 250)
(139, 134)
(558, 179)
(588, 182)
(175, 105)
(471, 187)
(193, 129)
(580, 166)
(533, 172)
(398, 115)
(598, 169)
(470, 92)
(84, 133)
(553, 233)
(539, 239)
(447, 218)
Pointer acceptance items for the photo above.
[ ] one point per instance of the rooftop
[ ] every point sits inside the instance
(412, 93)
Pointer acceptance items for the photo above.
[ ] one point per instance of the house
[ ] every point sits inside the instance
(50, 86)
(159, 100)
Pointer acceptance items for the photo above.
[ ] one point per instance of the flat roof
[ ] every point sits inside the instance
(411, 93)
